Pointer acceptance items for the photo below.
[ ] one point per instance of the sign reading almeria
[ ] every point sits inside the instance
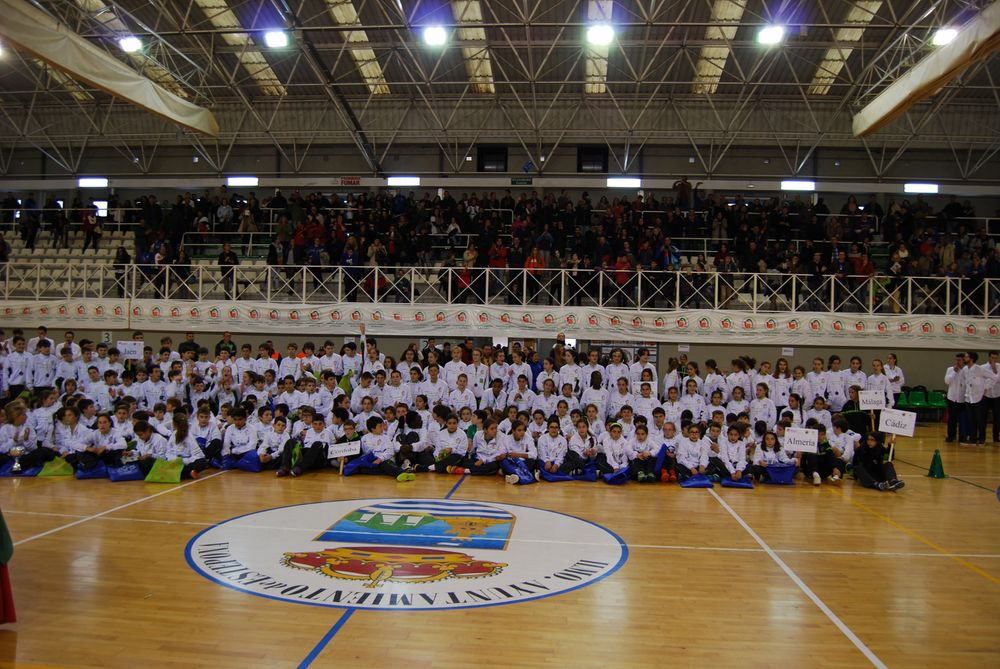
(406, 554)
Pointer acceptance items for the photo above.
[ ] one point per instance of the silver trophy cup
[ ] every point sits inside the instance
(16, 452)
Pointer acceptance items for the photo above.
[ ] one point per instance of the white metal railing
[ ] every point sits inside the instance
(630, 290)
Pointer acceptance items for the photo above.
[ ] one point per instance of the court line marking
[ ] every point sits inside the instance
(455, 487)
(956, 477)
(51, 514)
(924, 540)
(858, 643)
(117, 508)
(319, 647)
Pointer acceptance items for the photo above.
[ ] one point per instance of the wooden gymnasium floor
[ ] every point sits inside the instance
(778, 576)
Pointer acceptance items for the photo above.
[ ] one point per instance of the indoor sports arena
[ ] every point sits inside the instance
(483, 333)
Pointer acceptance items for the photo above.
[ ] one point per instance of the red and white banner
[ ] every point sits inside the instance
(783, 329)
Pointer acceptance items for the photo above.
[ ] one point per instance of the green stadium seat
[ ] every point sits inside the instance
(903, 401)
(936, 400)
(917, 400)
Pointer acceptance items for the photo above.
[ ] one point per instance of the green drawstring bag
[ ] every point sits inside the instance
(165, 471)
(296, 453)
(56, 467)
(345, 382)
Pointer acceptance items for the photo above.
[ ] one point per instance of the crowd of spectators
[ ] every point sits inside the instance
(685, 230)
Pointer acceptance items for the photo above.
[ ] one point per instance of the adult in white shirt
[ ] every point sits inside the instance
(977, 379)
(68, 338)
(955, 395)
(991, 398)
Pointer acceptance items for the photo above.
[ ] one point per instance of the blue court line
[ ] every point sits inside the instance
(311, 657)
(455, 487)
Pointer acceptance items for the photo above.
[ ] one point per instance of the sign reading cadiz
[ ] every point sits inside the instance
(406, 554)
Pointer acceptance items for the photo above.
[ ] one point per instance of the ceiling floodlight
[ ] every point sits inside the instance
(944, 36)
(403, 181)
(624, 182)
(276, 39)
(92, 182)
(600, 34)
(770, 35)
(435, 36)
(130, 43)
(242, 181)
(798, 185)
(920, 188)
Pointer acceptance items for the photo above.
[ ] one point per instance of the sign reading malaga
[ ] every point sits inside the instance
(406, 554)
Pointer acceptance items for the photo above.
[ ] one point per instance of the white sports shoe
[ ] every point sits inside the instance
(816, 479)
(512, 479)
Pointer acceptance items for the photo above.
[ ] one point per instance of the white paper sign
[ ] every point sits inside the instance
(871, 399)
(894, 421)
(130, 350)
(343, 450)
(801, 439)
(684, 348)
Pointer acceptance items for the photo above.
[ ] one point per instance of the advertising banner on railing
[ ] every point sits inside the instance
(589, 323)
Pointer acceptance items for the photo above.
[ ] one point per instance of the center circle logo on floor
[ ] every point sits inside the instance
(406, 554)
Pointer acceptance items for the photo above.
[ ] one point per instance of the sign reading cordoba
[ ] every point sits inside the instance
(406, 554)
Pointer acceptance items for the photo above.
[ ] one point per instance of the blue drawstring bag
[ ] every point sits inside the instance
(98, 471)
(230, 461)
(365, 461)
(661, 457)
(782, 474)
(519, 468)
(250, 462)
(619, 477)
(128, 472)
(744, 482)
(697, 481)
(216, 463)
(589, 473)
(7, 470)
(555, 478)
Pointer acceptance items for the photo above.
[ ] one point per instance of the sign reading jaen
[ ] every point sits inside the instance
(406, 554)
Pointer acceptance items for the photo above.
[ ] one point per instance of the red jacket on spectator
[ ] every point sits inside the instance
(497, 257)
(623, 271)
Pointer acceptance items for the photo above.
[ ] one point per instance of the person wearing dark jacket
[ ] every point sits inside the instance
(228, 261)
(869, 468)
(277, 257)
